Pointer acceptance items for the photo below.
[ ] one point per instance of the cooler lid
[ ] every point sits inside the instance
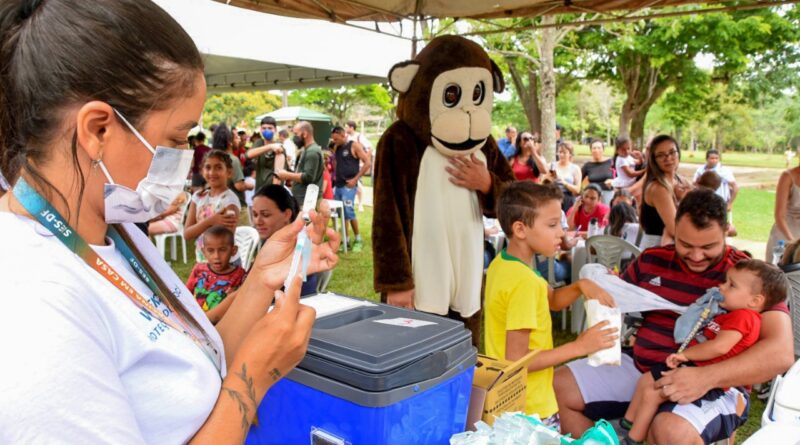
(378, 347)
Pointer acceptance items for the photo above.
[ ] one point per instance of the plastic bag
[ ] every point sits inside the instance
(602, 433)
(595, 313)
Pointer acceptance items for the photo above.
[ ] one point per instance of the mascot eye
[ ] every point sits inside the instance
(452, 94)
(478, 93)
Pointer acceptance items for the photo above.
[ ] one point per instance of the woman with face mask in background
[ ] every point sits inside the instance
(96, 100)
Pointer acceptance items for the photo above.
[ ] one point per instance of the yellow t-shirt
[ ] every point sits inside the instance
(516, 298)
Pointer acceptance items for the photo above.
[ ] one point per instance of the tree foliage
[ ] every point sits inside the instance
(236, 109)
(340, 102)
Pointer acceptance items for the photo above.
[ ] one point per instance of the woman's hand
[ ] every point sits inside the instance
(592, 291)
(272, 264)
(279, 340)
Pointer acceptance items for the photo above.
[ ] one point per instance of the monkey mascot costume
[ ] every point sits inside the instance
(438, 170)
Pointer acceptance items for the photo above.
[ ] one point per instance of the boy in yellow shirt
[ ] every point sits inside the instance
(519, 301)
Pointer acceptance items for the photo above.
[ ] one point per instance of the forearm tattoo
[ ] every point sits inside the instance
(237, 397)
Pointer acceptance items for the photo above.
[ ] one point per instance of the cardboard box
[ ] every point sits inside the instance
(498, 387)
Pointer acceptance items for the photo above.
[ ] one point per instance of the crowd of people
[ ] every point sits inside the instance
(681, 225)
(107, 343)
(265, 176)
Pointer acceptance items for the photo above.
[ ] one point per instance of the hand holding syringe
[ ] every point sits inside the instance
(302, 250)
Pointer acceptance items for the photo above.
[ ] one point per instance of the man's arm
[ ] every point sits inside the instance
(257, 151)
(366, 162)
(772, 355)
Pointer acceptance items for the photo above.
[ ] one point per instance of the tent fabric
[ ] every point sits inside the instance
(290, 114)
(395, 10)
(245, 50)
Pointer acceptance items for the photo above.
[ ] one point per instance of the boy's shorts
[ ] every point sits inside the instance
(607, 391)
(347, 196)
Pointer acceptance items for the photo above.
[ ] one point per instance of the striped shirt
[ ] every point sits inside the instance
(660, 271)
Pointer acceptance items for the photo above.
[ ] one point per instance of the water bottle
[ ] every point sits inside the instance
(777, 252)
(593, 227)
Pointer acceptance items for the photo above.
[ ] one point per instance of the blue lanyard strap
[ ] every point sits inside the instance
(49, 217)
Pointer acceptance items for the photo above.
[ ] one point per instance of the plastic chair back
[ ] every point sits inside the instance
(246, 240)
(793, 277)
(608, 250)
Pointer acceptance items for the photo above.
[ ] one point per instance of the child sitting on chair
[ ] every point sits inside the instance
(751, 286)
(211, 282)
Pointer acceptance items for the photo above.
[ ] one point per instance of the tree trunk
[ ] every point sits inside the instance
(528, 95)
(643, 86)
(637, 128)
(547, 75)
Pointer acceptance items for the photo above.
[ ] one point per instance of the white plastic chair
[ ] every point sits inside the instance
(793, 277)
(609, 250)
(161, 239)
(246, 240)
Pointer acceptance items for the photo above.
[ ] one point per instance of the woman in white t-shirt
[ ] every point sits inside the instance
(105, 344)
(567, 175)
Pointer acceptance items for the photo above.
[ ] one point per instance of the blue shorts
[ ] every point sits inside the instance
(347, 196)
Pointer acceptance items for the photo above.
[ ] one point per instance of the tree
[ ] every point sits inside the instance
(235, 108)
(339, 102)
(647, 57)
(531, 58)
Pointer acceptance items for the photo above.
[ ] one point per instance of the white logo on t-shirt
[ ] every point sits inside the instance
(655, 281)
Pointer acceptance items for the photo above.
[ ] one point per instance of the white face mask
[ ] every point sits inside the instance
(164, 181)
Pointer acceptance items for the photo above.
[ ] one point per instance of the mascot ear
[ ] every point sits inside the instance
(498, 83)
(401, 75)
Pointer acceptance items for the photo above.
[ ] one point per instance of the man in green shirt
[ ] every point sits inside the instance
(308, 169)
(267, 154)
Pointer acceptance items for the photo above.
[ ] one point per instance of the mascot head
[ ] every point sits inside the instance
(446, 94)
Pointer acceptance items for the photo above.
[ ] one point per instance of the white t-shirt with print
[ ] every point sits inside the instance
(623, 180)
(81, 364)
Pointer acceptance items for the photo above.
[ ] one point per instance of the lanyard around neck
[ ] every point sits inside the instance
(49, 217)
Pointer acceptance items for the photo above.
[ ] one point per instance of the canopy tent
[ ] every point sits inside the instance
(290, 114)
(343, 11)
(320, 121)
(246, 50)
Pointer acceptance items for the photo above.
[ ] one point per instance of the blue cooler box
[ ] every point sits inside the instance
(373, 375)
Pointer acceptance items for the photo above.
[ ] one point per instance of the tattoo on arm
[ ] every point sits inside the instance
(237, 397)
(275, 374)
(242, 406)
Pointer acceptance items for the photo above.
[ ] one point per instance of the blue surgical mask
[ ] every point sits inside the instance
(268, 134)
(165, 179)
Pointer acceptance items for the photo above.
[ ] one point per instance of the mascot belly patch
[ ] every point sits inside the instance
(447, 238)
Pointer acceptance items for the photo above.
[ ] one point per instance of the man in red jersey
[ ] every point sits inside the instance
(680, 273)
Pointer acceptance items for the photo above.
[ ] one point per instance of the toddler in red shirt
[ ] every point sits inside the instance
(750, 287)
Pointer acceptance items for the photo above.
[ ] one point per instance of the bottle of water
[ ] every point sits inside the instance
(777, 252)
(594, 229)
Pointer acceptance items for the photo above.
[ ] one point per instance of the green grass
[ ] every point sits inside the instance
(753, 213)
(730, 158)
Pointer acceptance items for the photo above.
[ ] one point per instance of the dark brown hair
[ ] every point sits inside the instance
(773, 281)
(521, 200)
(221, 155)
(710, 180)
(703, 207)
(219, 231)
(55, 54)
(653, 172)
